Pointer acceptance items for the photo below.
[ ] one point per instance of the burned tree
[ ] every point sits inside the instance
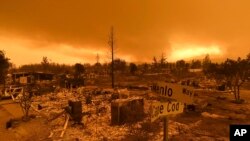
(45, 63)
(79, 70)
(119, 65)
(25, 102)
(111, 43)
(206, 64)
(181, 68)
(163, 61)
(133, 68)
(145, 68)
(235, 72)
(4, 65)
(155, 63)
(195, 64)
(97, 66)
(78, 75)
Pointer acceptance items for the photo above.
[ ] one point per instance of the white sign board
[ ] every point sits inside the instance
(159, 109)
(178, 92)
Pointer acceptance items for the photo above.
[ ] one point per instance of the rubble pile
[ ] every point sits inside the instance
(100, 122)
(95, 126)
(208, 84)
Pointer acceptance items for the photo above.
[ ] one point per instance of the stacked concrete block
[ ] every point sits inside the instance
(127, 111)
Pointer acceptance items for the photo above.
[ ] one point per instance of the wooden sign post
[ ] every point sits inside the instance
(165, 129)
(177, 92)
(163, 109)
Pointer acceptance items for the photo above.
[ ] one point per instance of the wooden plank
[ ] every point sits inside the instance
(65, 126)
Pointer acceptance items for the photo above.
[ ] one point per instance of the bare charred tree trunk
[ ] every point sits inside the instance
(229, 83)
(235, 95)
(235, 88)
(238, 91)
(237, 85)
(4, 85)
(111, 43)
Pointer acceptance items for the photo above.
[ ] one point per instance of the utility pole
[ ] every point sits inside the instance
(111, 43)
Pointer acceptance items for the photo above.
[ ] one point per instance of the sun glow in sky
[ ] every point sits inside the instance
(21, 51)
(24, 51)
(182, 51)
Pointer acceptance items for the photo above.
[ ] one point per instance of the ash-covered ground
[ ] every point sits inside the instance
(209, 119)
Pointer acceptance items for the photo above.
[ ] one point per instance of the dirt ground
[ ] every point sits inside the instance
(216, 128)
(210, 121)
(33, 129)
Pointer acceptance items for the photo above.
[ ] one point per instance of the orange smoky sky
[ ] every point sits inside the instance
(77, 30)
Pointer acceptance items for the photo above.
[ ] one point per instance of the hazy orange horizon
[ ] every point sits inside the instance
(76, 31)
